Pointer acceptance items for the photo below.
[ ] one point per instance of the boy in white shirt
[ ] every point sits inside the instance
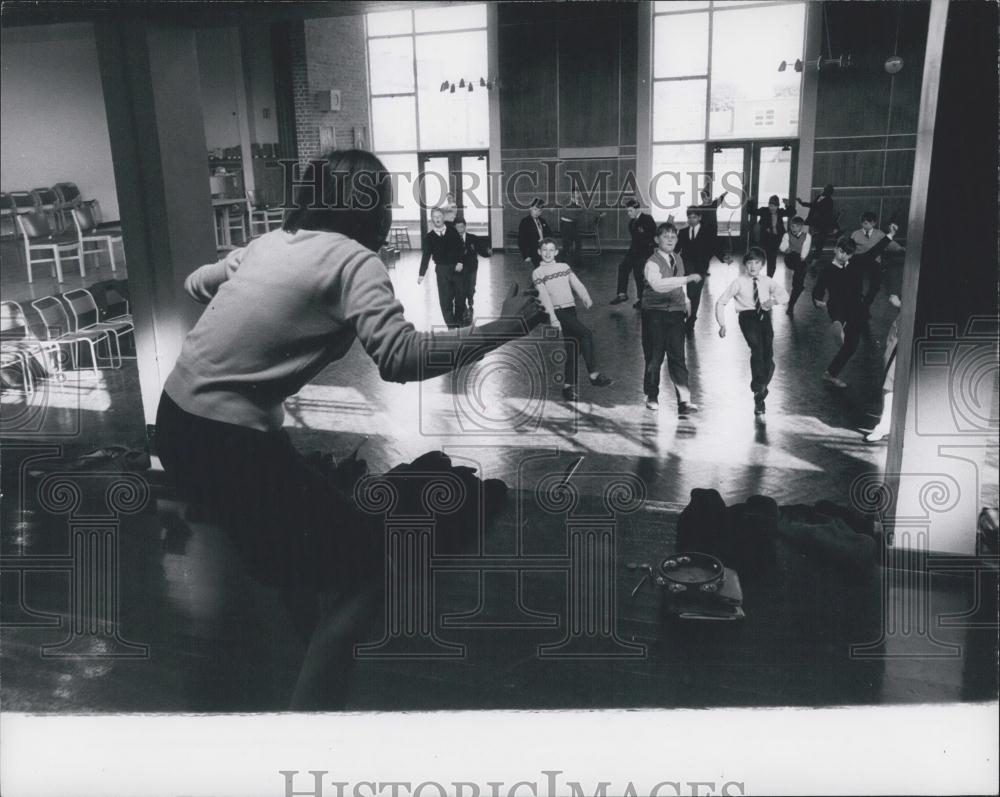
(556, 284)
(755, 295)
(665, 307)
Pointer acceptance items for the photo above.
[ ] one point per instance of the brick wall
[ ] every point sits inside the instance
(330, 54)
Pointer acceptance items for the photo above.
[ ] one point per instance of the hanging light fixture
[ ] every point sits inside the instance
(488, 83)
(841, 61)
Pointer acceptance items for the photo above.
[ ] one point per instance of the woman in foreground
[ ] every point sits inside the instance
(279, 311)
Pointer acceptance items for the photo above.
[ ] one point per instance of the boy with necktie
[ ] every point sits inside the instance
(755, 294)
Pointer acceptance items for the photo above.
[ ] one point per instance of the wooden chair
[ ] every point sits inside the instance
(13, 358)
(39, 238)
(594, 233)
(58, 330)
(399, 236)
(47, 203)
(87, 232)
(263, 218)
(16, 335)
(85, 317)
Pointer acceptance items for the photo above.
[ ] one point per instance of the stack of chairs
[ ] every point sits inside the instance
(56, 224)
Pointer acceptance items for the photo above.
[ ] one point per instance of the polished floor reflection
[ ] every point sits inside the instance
(186, 629)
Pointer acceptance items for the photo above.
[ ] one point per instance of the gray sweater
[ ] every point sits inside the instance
(280, 310)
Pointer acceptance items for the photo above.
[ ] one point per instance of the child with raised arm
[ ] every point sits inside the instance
(795, 246)
(665, 307)
(755, 295)
(556, 284)
(838, 289)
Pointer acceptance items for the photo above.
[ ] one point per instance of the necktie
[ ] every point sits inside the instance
(756, 300)
(670, 258)
(868, 233)
(694, 233)
(538, 226)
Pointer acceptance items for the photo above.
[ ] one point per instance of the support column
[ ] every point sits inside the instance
(149, 73)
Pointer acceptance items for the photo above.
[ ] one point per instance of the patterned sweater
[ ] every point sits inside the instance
(556, 284)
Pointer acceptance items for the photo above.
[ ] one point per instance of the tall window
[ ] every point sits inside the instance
(425, 66)
(715, 77)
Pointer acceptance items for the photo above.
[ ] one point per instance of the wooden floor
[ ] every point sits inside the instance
(194, 633)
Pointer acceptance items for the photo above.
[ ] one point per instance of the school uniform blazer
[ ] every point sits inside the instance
(446, 250)
(764, 220)
(697, 253)
(473, 249)
(821, 214)
(527, 235)
(642, 230)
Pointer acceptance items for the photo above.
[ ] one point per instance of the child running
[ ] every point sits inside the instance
(556, 284)
(755, 295)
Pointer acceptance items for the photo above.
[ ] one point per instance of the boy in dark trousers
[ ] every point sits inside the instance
(864, 239)
(821, 219)
(642, 228)
(664, 307)
(472, 247)
(771, 224)
(696, 244)
(531, 231)
(443, 245)
(795, 245)
(755, 295)
(841, 281)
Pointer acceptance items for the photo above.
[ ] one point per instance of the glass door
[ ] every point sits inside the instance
(473, 194)
(773, 169)
(434, 184)
(464, 175)
(750, 172)
(729, 167)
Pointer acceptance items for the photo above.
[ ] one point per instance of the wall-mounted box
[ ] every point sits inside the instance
(328, 100)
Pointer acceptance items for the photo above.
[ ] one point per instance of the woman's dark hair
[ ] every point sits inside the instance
(346, 191)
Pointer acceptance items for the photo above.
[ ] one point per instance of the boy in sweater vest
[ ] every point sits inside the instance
(795, 246)
(556, 284)
(755, 295)
(864, 239)
(665, 306)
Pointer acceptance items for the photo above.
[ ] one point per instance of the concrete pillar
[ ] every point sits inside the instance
(149, 72)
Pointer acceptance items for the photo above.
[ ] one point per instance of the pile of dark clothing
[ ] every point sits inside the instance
(751, 536)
